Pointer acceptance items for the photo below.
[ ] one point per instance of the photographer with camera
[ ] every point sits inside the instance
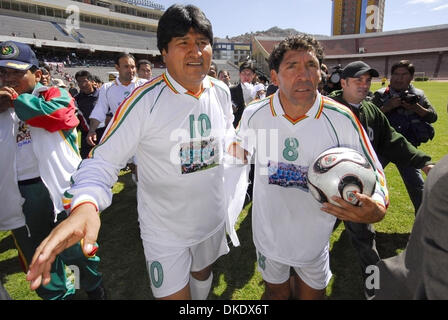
(333, 82)
(410, 113)
(388, 144)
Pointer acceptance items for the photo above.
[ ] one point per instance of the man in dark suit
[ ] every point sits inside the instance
(241, 94)
(419, 272)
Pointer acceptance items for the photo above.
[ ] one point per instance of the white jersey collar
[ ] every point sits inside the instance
(178, 88)
(117, 81)
(277, 109)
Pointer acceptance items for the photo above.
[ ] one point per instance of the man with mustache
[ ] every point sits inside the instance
(175, 125)
(387, 143)
(410, 113)
(291, 230)
(111, 94)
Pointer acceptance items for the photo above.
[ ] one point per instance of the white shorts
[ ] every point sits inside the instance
(169, 267)
(316, 275)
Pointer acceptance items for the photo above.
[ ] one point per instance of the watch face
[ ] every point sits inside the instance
(335, 77)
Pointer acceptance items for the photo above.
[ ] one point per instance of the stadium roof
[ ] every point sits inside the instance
(268, 43)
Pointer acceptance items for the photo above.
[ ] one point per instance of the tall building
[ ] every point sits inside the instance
(357, 16)
(231, 51)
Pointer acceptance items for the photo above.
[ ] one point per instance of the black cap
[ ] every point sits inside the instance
(248, 65)
(357, 69)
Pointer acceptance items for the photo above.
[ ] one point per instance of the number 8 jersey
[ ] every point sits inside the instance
(288, 225)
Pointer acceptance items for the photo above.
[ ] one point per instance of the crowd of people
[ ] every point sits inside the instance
(186, 134)
(74, 61)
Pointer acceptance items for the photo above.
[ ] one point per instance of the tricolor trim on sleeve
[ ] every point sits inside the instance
(125, 108)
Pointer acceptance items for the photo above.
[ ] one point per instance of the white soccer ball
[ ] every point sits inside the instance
(340, 172)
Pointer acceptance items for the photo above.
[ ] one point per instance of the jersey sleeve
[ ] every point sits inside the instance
(431, 117)
(228, 117)
(363, 145)
(102, 105)
(93, 180)
(246, 133)
(394, 146)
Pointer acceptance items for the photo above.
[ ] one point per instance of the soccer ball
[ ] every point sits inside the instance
(340, 172)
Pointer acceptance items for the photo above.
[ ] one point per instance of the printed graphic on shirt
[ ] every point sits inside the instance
(23, 134)
(199, 155)
(287, 175)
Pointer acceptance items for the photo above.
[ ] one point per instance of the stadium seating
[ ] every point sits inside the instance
(233, 70)
(443, 72)
(103, 72)
(117, 39)
(31, 28)
(45, 30)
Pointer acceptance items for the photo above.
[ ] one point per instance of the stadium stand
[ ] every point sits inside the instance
(103, 72)
(427, 47)
(110, 26)
(443, 71)
(229, 66)
(32, 28)
(118, 39)
(52, 30)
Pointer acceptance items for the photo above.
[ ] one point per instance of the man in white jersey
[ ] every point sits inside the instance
(112, 93)
(176, 126)
(283, 134)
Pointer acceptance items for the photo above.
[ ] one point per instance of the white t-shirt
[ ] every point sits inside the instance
(27, 165)
(248, 92)
(11, 215)
(288, 225)
(110, 95)
(179, 140)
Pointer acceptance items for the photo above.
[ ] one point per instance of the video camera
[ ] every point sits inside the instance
(334, 81)
(408, 97)
(335, 76)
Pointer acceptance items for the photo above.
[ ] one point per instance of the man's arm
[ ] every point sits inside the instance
(91, 188)
(423, 108)
(393, 146)
(7, 97)
(91, 135)
(385, 102)
(83, 223)
(98, 114)
(371, 209)
(434, 236)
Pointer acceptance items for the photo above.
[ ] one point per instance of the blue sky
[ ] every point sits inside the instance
(235, 17)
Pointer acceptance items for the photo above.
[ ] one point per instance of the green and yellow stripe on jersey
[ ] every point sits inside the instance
(126, 107)
(168, 83)
(345, 111)
(368, 152)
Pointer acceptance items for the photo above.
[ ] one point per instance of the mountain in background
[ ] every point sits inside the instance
(272, 32)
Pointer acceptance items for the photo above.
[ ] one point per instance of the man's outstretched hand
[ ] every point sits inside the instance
(83, 223)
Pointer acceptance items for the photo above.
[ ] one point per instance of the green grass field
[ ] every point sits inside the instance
(235, 275)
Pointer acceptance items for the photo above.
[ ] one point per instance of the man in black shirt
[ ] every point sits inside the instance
(85, 101)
